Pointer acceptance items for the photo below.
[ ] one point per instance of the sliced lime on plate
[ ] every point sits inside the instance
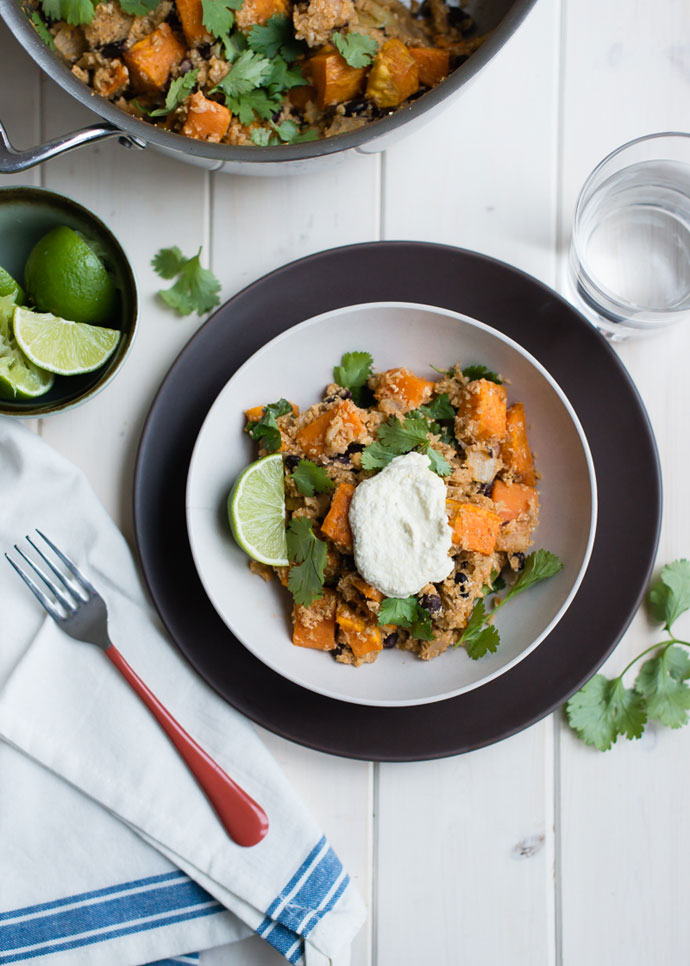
(256, 509)
(60, 346)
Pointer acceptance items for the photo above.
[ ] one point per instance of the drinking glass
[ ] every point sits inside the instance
(630, 246)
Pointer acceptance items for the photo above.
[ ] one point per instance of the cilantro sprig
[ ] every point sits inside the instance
(138, 8)
(353, 374)
(605, 708)
(179, 90)
(397, 437)
(218, 15)
(42, 29)
(407, 612)
(357, 49)
(75, 12)
(276, 36)
(480, 636)
(481, 372)
(265, 430)
(308, 555)
(196, 287)
(310, 478)
(287, 132)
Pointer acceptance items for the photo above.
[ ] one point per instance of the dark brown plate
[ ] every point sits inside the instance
(590, 374)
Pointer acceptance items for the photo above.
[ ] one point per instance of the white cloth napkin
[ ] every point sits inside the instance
(109, 851)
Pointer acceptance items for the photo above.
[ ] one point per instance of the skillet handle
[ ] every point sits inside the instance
(12, 161)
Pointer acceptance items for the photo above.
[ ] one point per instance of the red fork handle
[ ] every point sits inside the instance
(242, 818)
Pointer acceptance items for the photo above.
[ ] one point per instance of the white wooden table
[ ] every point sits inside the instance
(538, 850)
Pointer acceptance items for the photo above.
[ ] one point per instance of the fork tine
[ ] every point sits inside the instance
(70, 564)
(36, 591)
(67, 602)
(75, 591)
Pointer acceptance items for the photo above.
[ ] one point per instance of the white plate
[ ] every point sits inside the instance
(297, 365)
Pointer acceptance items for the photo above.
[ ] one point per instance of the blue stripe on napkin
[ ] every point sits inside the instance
(189, 959)
(311, 892)
(92, 917)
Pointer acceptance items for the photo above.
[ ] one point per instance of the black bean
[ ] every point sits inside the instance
(345, 394)
(184, 67)
(520, 557)
(465, 593)
(432, 602)
(490, 451)
(292, 461)
(329, 399)
(391, 640)
(463, 565)
(460, 18)
(205, 51)
(486, 488)
(356, 107)
(342, 458)
(460, 577)
(355, 447)
(114, 49)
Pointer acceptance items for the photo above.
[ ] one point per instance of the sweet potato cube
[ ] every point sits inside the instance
(206, 120)
(394, 75)
(314, 626)
(259, 11)
(514, 499)
(515, 451)
(362, 636)
(484, 409)
(399, 391)
(371, 593)
(299, 97)
(433, 64)
(150, 60)
(332, 77)
(474, 527)
(332, 431)
(191, 17)
(336, 525)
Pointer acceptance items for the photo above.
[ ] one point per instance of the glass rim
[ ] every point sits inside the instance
(583, 269)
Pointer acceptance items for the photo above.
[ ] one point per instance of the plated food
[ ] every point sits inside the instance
(409, 502)
(258, 72)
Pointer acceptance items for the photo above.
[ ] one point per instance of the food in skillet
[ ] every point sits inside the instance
(258, 72)
(408, 502)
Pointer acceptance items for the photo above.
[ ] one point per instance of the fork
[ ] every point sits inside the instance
(80, 611)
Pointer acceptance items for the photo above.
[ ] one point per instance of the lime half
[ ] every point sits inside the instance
(19, 378)
(256, 509)
(60, 346)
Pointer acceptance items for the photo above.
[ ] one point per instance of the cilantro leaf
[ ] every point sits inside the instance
(439, 464)
(249, 71)
(257, 102)
(289, 132)
(353, 373)
(539, 566)
(667, 697)
(401, 437)
(603, 709)
(262, 136)
(670, 595)
(407, 612)
(357, 49)
(233, 45)
(138, 8)
(480, 372)
(375, 456)
(217, 15)
(42, 29)
(179, 90)
(438, 408)
(168, 262)
(308, 555)
(276, 36)
(477, 638)
(75, 12)
(266, 430)
(310, 478)
(284, 77)
(196, 287)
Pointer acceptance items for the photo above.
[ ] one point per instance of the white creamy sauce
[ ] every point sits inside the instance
(400, 527)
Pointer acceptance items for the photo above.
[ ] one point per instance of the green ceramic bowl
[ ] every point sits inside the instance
(25, 215)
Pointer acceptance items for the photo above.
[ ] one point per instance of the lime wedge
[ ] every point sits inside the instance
(9, 286)
(19, 378)
(256, 509)
(60, 346)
